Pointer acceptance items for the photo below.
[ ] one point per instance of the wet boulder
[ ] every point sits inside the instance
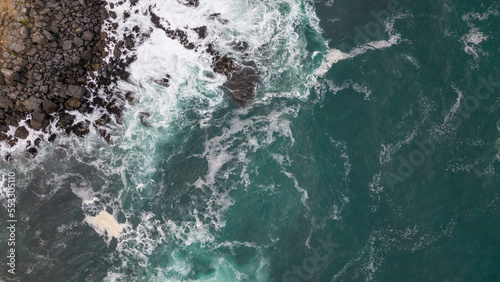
(242, 85)
(21, 132)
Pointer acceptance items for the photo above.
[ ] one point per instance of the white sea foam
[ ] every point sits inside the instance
(472, 40)
(106, 225)
(455, 106)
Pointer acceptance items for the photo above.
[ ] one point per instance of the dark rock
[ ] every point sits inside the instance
(114, 109)
(49, 106)
(39, 116)
(21, 132)
(103, 120)
(3, 136)
(72, 103)
(32, 103)
(65, 120)
(6, 103)
(10, 75)
(52, 138)
(242, 84)
(87, 56)
(116, 52)
(129, 42)
(39, 120)
(216, 16)
(32, 152)
(102, 132)
(202, 31)
(81, 129)
(104, 13)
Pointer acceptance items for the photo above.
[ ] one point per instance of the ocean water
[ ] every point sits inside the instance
(370, 152)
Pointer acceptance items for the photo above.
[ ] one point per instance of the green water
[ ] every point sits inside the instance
(388, 170)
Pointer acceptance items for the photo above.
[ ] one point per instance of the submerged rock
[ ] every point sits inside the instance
(81, 129)
(144, 116)
(242, 84)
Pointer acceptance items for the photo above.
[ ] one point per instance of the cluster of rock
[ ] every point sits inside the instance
(48, 49)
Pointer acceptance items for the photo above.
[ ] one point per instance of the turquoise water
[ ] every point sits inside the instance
(371, 152)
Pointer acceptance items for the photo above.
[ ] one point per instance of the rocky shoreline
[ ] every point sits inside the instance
(54, 59)
(49, 51)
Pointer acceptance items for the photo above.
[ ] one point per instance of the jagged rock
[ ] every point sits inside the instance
(57, 44)
(12, 142)
(202, 31)
(39, 120)
(65, 120)
(193, 3)
(163, 82)
(49, 106)
(116, 52)
(81, 129)
(6, 103)
(52, 138)
(31, 152)
(103, 120)
(21, 132)
(102, 132)
(114, 109)
(144, 116)
(87, 36)
(3, 136)
(129, 43)
(32, 103)
(75, 91)
(242, 84)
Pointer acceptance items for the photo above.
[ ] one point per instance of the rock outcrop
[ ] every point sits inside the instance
(49, 50)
